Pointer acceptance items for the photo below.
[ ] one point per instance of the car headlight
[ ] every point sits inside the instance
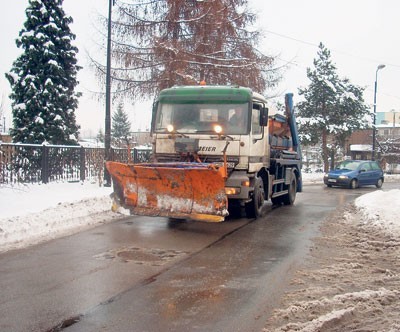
(343, 177)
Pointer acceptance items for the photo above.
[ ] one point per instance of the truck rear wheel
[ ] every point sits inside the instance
(254, 209)
(290, 197)
(276, 200)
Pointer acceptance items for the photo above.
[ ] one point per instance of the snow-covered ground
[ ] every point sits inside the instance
(35, 213)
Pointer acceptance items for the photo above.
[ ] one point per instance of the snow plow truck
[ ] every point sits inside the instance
(215, 149)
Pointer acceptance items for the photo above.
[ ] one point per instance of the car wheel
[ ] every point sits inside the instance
(353, 184)
(329, 185)
(379, 183)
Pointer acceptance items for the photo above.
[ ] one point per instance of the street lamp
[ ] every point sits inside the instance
(374, 121)
(394, 122)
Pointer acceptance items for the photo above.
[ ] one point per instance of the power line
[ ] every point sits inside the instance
(333, 50)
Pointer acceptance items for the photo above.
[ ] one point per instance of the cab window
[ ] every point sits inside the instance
(255, 122)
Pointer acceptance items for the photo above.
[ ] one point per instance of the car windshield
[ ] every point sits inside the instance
(202, 118)
(349, 164)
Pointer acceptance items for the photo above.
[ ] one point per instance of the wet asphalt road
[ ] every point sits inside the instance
(148, 274)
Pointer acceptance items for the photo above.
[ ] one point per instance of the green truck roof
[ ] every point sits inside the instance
(208, 93)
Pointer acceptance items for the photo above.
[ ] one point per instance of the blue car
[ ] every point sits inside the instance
(355, 173)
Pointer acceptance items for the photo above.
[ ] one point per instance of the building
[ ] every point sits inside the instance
(388, 124)
(5, 138)
(359, 145)
(141, 138)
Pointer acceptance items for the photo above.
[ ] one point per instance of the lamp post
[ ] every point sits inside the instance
(374, 120)
(107, 125)
(394, 122)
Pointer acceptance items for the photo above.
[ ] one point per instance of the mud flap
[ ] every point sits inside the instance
(178, 190)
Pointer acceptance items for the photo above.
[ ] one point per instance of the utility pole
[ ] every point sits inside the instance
(107, 127)
(374, 120)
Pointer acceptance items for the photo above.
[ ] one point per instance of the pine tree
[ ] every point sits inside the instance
(100, 136)
(43, 77)
(121, 127)
(158, 44)
(333, 107)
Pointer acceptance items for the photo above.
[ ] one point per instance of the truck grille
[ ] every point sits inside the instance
(210, 159)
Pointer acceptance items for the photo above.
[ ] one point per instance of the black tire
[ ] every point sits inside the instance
(254, 209)
(290, 197)
(276, 200)
(379, 183)
(353, 184)
(329, 185)
(235, 210)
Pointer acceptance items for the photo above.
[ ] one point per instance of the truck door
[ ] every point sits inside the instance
(257, 146)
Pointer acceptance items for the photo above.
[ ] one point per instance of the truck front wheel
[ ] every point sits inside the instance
(254, 209)
(289, 198)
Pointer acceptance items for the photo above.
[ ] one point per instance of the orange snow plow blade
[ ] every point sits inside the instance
(178, 190)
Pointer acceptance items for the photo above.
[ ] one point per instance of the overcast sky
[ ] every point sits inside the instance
(361, 34)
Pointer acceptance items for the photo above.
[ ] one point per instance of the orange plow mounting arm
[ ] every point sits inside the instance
(179, 190)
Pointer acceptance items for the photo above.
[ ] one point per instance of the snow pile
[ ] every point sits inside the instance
(312, 177)
(353, 303)
(35, 213)
(381, 209)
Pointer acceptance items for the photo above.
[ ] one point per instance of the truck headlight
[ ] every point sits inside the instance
(232, 190)
(170, 128)
(218, 129)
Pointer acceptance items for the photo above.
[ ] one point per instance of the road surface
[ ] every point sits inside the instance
(149, 274)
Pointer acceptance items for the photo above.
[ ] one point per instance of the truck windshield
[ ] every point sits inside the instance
(203, 118)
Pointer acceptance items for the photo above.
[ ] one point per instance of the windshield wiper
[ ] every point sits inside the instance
(175, 132)
(203, 131)
(179, 133)
(222, 137)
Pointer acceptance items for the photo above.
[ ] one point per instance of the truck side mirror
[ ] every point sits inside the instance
(153, 118)
(264, 117)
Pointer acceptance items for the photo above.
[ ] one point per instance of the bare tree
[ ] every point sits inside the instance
(158, 44)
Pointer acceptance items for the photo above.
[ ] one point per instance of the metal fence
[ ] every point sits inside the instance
(30, 163)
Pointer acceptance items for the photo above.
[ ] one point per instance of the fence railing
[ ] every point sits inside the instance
(29, 163)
